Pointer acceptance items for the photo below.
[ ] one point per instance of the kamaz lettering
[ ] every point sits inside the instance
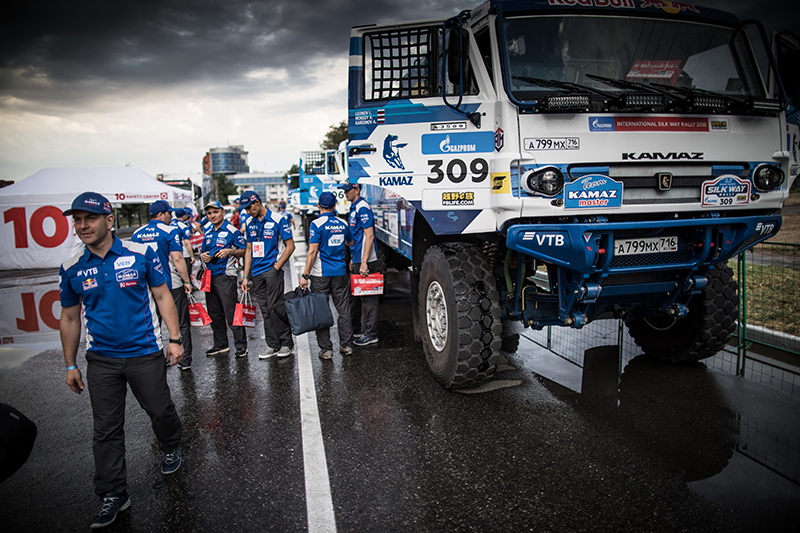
(658, 155)
(396, 181)
(579, 195)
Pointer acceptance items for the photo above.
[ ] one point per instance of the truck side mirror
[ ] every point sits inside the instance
(457, 55)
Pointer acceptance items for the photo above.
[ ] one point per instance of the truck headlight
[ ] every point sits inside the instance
(768, 177)
(547, 181)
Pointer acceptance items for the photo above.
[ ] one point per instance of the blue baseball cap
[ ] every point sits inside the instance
(180, 212)
(159, 206)
(214, 203)
(248, 197)
(347, 186)
(327, 200)
(91, 202)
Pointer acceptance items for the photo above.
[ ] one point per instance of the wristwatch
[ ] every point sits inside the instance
(179, 340)
(306, 276)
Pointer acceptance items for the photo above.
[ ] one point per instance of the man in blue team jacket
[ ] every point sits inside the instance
(327, 270)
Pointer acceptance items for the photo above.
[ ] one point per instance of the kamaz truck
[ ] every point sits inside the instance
(555, 162)
(320, 171)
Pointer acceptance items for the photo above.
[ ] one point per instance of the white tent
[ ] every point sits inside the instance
(35, 234)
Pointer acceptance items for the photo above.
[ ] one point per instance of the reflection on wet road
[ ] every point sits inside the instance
(559, 447)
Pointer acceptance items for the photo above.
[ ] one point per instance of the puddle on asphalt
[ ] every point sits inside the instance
(736, 456)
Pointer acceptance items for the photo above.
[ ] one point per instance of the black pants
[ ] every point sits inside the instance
(221, 301)
(267, 290)
(182, 305)
(365, 308)
(339, 289)
(108, 379)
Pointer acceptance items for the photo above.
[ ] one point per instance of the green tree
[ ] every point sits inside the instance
(225, 188)
(293, 177)
(336, 134)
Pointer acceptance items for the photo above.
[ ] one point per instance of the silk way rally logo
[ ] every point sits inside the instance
(391, 152)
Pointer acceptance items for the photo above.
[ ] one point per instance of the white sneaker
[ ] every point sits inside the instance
(285, 351)
(326, 354)
(271, 352)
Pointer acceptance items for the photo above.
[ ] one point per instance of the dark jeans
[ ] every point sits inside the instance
(221, 302)
(182, 305)
(365, 308)
(339, 289)
(267, 289)
(108, 379)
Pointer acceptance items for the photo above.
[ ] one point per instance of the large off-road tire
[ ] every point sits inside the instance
(704, 331)
(459, 314)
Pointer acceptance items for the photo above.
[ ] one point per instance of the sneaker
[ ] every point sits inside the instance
(346, 350)
(217, 351)
(326, 354)
(185, 365)
(112, 504)
(241, 353)
(364, 340)
(171, 461)
(285, 351)
(269, 353)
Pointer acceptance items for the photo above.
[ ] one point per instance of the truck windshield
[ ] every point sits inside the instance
(595, 51)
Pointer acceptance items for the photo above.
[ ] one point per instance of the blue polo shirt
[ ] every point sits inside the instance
(265, 236)
(331, 233)
(184, 231)
(361, 218)
(227, 236)
(119, 311)
(163, 239)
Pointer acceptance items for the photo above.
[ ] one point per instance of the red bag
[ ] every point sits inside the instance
(198, 317)
(366, 285)
(205, 285)
(245, 314)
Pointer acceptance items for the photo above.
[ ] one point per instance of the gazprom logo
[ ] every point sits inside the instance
(602, 124)
(458, 143)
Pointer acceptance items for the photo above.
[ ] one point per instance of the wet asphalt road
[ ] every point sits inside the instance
(659, 448)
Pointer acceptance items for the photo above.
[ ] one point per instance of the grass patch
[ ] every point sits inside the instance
(772, 300)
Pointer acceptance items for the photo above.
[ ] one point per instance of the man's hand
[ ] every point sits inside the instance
(303, 283)
(175, 353)
(245, 284)
(74, 380)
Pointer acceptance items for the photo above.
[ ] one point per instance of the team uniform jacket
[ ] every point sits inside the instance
(184, 231)
(331, 233)
(163, 239)
(265, 236)
(361, 218)
(119, 309)
(227, 236)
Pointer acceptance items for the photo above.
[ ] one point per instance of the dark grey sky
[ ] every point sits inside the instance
(156, 83)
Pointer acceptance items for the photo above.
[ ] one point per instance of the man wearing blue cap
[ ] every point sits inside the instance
(364, 258)
(168, 245)
(263, 264)
(327, 270)
(223, 244)
(119, 285)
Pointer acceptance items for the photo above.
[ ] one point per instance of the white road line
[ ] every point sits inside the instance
(319, 503)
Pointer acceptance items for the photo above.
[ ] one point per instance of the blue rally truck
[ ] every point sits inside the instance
(553, 162)
(320, 171)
